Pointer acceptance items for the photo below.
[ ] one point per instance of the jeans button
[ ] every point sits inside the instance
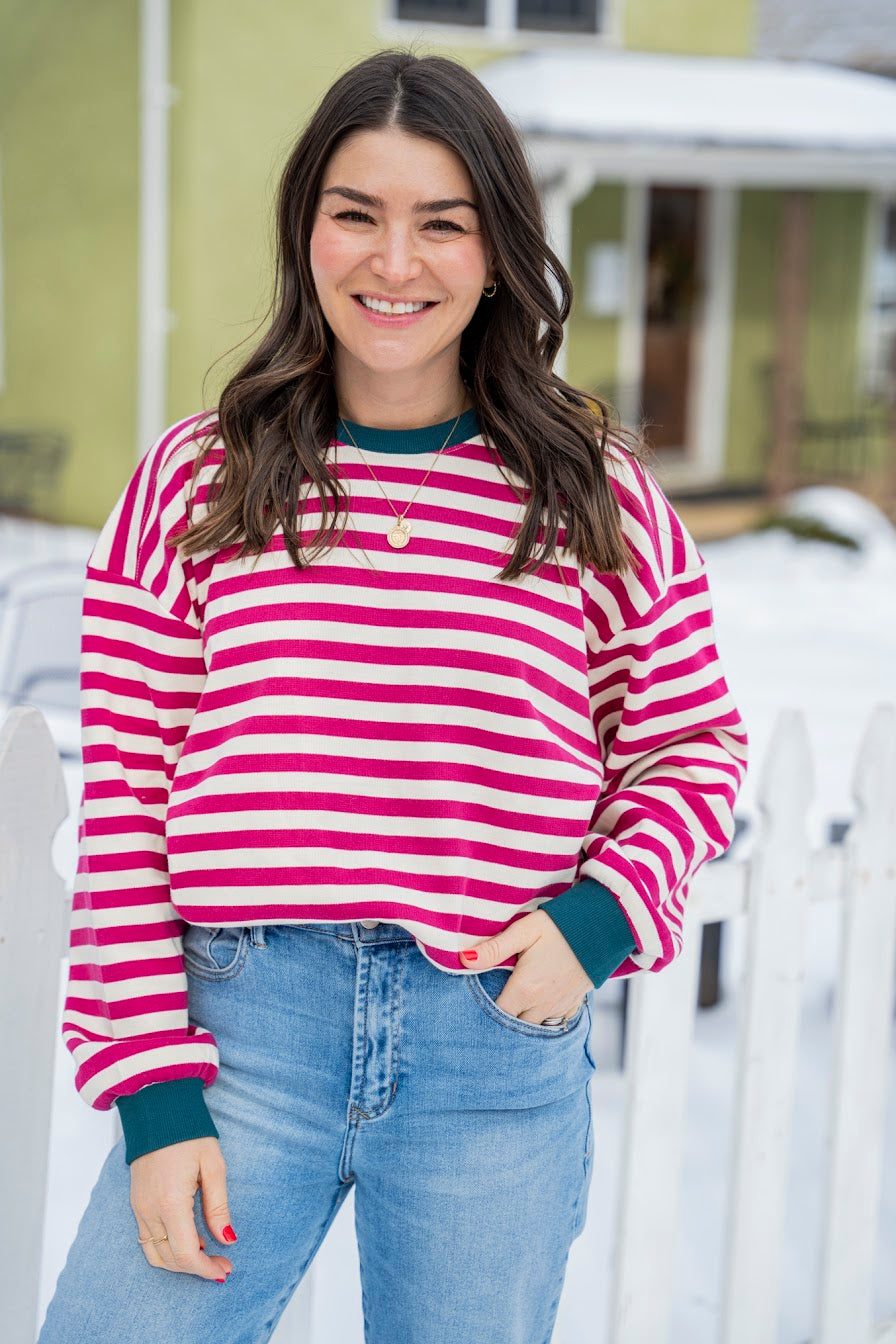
(370, 923)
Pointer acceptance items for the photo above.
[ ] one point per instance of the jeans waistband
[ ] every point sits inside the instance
(356, 930)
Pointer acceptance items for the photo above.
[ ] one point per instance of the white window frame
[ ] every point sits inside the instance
(499, 29)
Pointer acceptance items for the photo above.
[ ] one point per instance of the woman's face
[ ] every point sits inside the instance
(408, 244)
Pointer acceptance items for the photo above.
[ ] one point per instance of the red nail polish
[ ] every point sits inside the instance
(229, 1234)
(220, 1280)
(470, 954)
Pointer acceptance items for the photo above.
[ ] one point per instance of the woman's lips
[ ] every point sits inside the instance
(392, 319)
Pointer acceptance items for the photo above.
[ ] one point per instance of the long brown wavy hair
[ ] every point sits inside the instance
(277, 415)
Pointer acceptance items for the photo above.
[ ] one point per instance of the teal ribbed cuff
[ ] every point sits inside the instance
(164, 1113)
(594, 924)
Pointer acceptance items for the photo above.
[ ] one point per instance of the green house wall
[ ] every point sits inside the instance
(834, 325)
(692, 27)
(833, 321)
(69, 165)
(247, 78)
(753, 333)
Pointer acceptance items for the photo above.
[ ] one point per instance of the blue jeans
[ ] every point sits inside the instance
(348, 1059)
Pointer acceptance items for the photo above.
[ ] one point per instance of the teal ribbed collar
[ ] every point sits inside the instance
(426, 439)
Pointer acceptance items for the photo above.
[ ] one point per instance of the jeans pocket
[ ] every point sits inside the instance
(215, 952)
(486, 986)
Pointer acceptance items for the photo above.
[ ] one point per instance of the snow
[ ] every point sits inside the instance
(798, 623)
(845, 512)
(612, 96)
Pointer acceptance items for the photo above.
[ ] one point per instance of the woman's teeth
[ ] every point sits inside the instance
(379, 306)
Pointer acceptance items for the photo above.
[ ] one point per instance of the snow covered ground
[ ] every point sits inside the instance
(799, 624)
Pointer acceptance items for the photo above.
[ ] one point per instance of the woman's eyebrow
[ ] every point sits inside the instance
(421, 207)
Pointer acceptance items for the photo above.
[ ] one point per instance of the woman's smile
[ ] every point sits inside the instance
(387, 319)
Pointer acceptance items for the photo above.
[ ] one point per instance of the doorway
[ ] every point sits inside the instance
(672, 294)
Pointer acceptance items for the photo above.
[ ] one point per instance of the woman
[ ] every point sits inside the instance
(404, 729)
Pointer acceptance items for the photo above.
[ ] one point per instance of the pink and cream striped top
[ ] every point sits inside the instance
(401, 736)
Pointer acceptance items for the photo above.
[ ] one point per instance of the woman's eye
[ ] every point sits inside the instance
(449, 225)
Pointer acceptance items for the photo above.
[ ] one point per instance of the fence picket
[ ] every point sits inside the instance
(660, 1027)
(33, 804)
(864, 1006)
(777, 913)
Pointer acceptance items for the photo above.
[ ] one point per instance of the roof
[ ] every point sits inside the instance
(747, 119)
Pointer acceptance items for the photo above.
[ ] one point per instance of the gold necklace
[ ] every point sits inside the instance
(405, 527)
(399, 534)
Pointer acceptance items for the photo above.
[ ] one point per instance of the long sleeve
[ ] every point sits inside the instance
(125, 1017)
(674, 749)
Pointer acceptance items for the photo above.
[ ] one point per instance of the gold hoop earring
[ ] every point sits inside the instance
(490, 294)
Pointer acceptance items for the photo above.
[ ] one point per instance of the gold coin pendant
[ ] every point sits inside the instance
(398, 537)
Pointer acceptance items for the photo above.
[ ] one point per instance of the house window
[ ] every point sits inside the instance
(567, 16)
(443, 11)
(500, 17)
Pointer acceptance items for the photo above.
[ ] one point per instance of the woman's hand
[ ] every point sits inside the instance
(163, 1184)
(548, 979)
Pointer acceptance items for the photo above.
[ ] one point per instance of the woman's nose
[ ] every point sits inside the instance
(395, 256)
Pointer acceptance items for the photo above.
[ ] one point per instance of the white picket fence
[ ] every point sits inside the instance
(772, 889)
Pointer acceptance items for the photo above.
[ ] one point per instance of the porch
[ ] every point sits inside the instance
(684, 137)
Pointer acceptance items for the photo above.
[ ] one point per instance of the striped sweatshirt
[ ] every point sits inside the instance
(392, 734)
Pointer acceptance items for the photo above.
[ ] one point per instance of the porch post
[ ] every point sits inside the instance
(715, 316)
(630, 340)
(559, 194)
